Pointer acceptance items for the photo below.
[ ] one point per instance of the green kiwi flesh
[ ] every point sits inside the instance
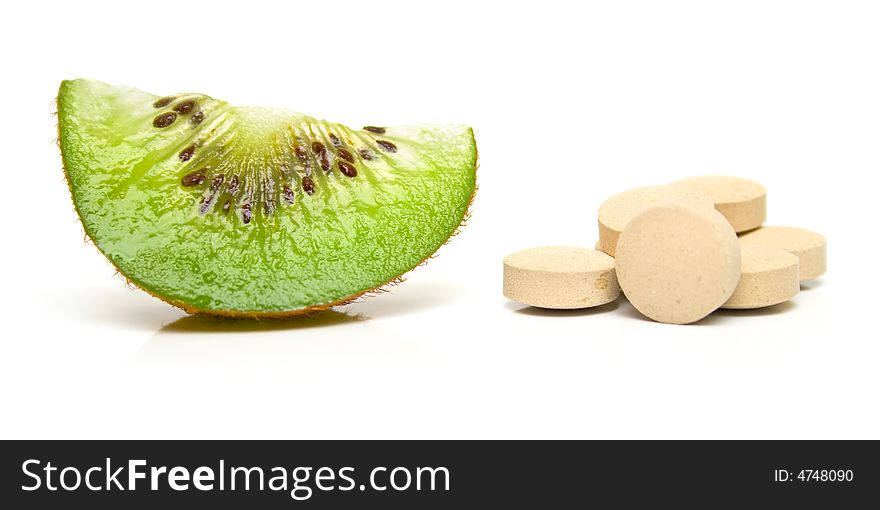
(256, 211)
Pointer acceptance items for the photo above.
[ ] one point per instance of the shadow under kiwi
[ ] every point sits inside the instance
(406, 298)
(549, 312)
(209, 324)
(290, 349)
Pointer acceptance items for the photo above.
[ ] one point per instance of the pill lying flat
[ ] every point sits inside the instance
(769, 276)
(808, 246)
(741, 201)
(560, 277)
(677, 263)
(617, 211)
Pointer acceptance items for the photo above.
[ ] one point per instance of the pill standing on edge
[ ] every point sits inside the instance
(742, 201)
(618, 210)
(560, 277)
(810, 247)
(769, 276)
(677, 263)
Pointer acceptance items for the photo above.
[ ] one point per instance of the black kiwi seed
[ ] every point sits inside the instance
(308, 185)
(193, 179)
(164, 120)
(226, 205)
(187, 154)
(335, 140)
(216, 182)
(246, 213)
(197, 118)
(388, 146)
(318, 148)
(233, 185)
(301, 153)
(347, 169)
(344, 154)
(288, 195)
(374, 129)
(365, 154)
(184, 107)
(163, 102)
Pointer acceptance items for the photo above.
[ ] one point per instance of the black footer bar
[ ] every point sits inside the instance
(439, 474)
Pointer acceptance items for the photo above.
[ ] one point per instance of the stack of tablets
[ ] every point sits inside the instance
(678, 252)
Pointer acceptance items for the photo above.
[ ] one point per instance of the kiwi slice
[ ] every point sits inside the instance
(246, 211)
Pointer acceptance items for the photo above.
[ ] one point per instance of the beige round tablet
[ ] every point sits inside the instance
(618, 210)
(809, 247)
(769, 277)
(741, 201)
(560, 277)
(677, 263)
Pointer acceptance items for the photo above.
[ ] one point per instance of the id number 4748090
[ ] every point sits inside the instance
(813, 475)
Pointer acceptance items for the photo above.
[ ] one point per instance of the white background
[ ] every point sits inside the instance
(572, 102)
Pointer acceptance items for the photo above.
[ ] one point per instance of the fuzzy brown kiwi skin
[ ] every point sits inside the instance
(237, 314)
